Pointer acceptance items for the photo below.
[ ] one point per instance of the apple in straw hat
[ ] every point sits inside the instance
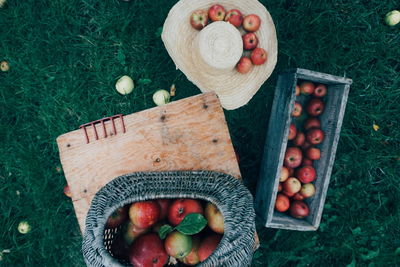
(208, 57)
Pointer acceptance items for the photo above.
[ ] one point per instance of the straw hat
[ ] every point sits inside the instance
(208, 57)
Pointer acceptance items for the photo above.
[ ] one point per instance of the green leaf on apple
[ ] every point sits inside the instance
(165, 230)
(192, 224)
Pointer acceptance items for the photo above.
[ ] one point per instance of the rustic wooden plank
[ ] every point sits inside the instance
(331, 122)
(190, 134)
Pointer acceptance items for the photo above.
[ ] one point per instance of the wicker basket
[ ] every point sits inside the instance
(230, 196)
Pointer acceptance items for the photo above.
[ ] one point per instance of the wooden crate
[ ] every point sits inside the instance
(189, 134)
(277, 140)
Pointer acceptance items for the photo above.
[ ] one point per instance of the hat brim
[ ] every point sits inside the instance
(233, 88)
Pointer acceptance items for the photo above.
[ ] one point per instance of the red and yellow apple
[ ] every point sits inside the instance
(300, 139)
(214, 218)
(313, 153)
(315, 136)
(291, 186)
(144, 214)
(250, 41)
(244, 65)
(312, 123)
(315, 107)
(293, 157)
(284, 174)
(216, 13)
(178, 245)
(251, 23)
(182, 207)
(193, 257)
(132, 232)
(148, 250)
(282, 203)
(199, 19)
(258, 56)
(307, 190)
(297, 110)
(307, 88)
(234, 17)
(306, 174)
(292, 132)
(299, 209)
(320, 90)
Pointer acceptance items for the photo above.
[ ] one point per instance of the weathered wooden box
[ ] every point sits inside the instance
(277, 140)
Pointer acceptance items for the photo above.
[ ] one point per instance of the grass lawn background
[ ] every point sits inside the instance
(65, 56)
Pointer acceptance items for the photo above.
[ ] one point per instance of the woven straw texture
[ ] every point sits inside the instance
(182, 43)
(228, 193)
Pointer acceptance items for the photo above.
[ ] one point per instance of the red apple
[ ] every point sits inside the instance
(181, 207)
(199, 19)
(193, 257)
(244, 65)
(320, 90)
(258, 56)
(144, 214)
(306, 174)
(280, 187)
(164, 206)
(312, 123)
(313, 153)
(250, 41)
(307, 190)
(148, 250)
(315, 107)
(299, 209)
(67, 191)
(291, 186)
(307, 88)
(297, 196)
(306, 145)
(300, 139)
(292, 132)
(132, 232)
(208, 245)
(307, 162)
(293, 157)
(117, 217)
(315, 136)
(251, 23)
(234, 17)
(291, 171)
(282, 203)
(284, 174)
(297, 109)
(178, 245)
(297, 90)
(216, 13)
(214, 218)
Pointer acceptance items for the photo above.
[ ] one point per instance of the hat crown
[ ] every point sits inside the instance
(220, 46)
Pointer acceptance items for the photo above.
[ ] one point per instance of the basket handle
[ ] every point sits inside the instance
(102, 122)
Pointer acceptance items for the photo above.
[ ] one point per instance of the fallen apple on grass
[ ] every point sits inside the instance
(199, 19)
(234, 17)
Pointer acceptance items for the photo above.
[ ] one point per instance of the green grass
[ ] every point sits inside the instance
(66, 55)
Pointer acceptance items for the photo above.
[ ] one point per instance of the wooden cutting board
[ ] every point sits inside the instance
(189, 134)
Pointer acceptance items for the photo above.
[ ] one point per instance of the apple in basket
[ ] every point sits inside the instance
(216, 13)
(306, 174)
(315, 136)
(312, 123)
(251, 23)
(164, 205)
(250, 41)
(299, 209)
(313, 153)
(208, 245)
(117, 217)
(244, 65)
(181, 207)
(258, 56)
(297, 109)
(307, 162)
(292, 132)
(214, 218)
(284, 174)
(291, 186)
(193, 257)
(307, 190)
(307, 88)
(144, 214)
(178, 245)
(199, 19)
(300, 139)
(320, 90)
(282, 203)
(234, 17)
(315, 107)
(293, 157)
(148, 250)
(132, 232)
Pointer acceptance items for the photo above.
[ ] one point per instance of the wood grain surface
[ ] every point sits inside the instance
(189, 134)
